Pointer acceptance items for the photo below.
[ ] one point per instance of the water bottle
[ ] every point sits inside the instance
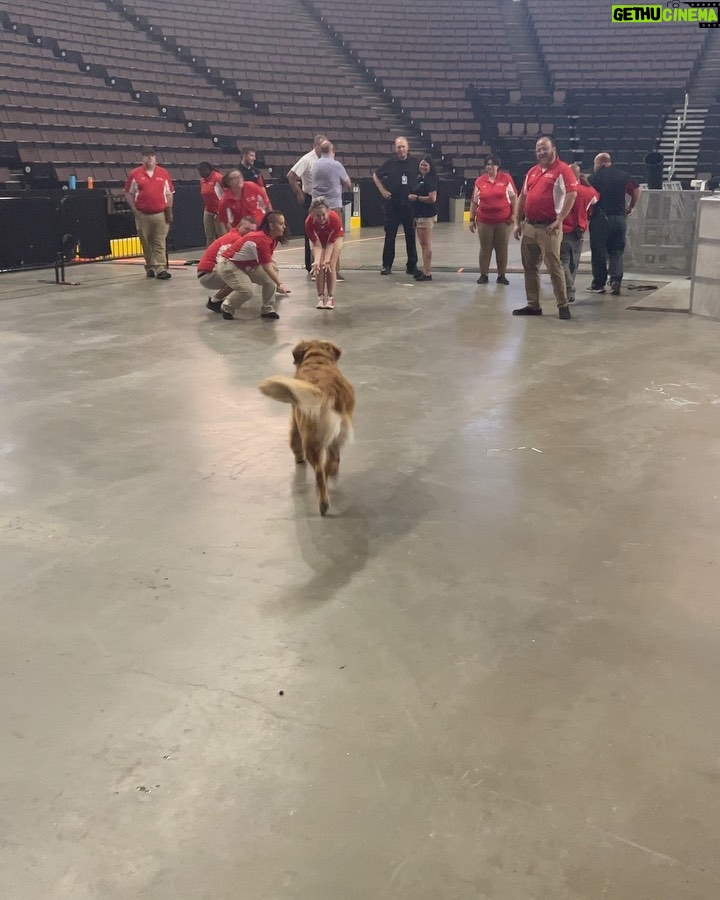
(90, 182)
(72, 182)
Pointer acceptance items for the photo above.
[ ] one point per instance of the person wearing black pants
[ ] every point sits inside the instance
(394, 180)
(300, 180)
(607, 225)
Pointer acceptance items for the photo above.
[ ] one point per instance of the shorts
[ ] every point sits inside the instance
(425, 222)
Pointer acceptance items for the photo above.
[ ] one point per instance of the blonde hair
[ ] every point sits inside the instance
(316, 204)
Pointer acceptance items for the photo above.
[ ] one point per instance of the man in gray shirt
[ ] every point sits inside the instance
(329, 180)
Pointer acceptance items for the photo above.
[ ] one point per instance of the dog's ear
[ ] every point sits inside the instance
(299, 351)
(333, 350)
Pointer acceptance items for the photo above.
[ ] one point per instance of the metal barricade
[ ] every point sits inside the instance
(661, 232)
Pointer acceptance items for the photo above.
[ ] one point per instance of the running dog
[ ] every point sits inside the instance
(323, 402)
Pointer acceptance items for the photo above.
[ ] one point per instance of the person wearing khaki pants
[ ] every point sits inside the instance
(249, 261)
(547, 197)
(491, 211)
(149, 192)
(538, 244)
(152, 229)
(242, 282)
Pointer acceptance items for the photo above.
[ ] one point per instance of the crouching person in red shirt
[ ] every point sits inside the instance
(249, 261)
(208, 277)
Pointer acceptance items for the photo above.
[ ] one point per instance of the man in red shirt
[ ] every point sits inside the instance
(207, 274)
(211, 191)
(249, 261)
(324, 230)
(242, 198)
(547, 196)
(574, 227)
(149, 191)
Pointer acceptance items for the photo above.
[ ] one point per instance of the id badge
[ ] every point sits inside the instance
(404, 179)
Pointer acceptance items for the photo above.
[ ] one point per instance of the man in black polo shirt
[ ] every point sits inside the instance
(607, 224)
(394, 179)
(247, 166)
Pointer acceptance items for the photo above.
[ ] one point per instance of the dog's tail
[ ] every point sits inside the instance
(303, 395)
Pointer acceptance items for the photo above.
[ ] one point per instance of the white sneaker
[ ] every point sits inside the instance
(330, 303)
(321, 303)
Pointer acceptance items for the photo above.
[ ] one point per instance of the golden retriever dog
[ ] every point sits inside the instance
(323, 402)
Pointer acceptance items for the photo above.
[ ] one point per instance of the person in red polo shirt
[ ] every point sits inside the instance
(547, 197)
(324, 230)
(491, 211)
(149, 191)
(574, 227)
(249, 261)
(211, 191)
(242, 198)
(207, 274)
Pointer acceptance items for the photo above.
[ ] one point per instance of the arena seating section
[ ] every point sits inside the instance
(86, 84)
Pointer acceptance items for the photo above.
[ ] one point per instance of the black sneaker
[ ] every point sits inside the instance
(163, 276)
(339, 277)
(269, 315)
(149, 274)
(564, 312)
(227, 315)
(414, 271)
(423, 277)
(594, 289)
(501, 279)
(615, 288)
(528, 311)
(213, 305)
(483, 279)
(386, 270)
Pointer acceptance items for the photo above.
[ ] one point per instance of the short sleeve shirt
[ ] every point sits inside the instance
(150, 190)
(327, 233)
(545, 191)
(303, 168)
(398, 176)
(613, 185)
(211, 191)
(209, 259)
(251, 250)
(253, 202)
(578, 216)
(327, 177)
(494, 198)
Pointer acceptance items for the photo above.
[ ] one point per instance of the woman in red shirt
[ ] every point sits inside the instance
(211, 190)
(242, 198)
(325, 232)
(491, 211)
(249, 261)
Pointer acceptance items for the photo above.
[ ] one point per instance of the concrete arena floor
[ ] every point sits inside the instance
(491, 673)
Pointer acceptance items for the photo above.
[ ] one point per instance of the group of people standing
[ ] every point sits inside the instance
(550, 216)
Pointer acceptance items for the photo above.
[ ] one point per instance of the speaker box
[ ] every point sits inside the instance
(9, 155)
(29, 232)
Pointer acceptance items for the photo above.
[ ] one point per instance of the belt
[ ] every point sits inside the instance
(543, 222)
